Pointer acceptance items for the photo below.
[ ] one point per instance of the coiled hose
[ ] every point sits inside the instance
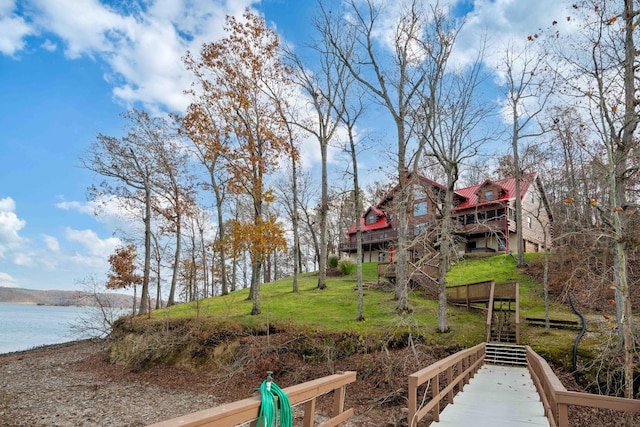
(274, 405)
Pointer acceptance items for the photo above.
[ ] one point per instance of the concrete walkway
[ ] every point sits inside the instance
(497, 396)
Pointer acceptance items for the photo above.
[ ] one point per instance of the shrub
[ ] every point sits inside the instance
(333, 261)
(347, 266)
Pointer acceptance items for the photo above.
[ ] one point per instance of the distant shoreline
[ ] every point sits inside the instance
(48, 347)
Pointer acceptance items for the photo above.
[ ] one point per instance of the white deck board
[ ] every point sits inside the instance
(496, 396)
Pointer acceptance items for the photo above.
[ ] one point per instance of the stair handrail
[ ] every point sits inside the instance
(517, 285)
(556, 399)
(247, 410)
(490, 309)
(465, 363)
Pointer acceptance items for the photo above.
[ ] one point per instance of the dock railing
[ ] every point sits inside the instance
(556, 399)
(247, 410)
(463, 364)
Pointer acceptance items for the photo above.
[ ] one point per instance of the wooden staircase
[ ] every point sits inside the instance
(503, 313)
(503, 325)
(505, 354)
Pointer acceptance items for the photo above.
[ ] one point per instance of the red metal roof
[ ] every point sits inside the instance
(470, 194)
(381, 223)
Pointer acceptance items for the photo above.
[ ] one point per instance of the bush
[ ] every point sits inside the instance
(347, 266)
(333, 261)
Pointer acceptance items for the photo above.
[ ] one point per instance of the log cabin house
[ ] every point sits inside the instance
(484, 218)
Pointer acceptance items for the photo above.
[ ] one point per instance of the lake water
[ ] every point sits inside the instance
(25, 326)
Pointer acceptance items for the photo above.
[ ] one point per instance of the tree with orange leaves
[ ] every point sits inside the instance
(232, 77)
(123, 273)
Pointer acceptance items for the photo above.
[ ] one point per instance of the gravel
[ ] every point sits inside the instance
(71, 385)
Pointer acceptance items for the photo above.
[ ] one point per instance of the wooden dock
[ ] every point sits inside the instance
(497, 396)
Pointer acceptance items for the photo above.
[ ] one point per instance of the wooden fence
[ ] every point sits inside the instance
(556, 399)
(464, 364)
(243, 411)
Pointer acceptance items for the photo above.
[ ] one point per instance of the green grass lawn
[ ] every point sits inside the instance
(334, 309)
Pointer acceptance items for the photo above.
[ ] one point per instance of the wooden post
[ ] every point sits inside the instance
(309, 413)
(563, 415)
(413, 401)
(517, 285)
(490, 310)
(338, 401)
(450, 381)
(435, 389)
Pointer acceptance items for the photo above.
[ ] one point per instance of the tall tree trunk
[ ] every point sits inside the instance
(295, 224)
(255, 288)
(445, 253)
(324, 211)
(517, 174)
(221, 236)
(176, 261)
(144, 297)
(401, 292)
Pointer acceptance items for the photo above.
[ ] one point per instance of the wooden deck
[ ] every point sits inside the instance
(497, 396)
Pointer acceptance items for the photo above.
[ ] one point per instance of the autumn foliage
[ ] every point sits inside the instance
(123, 269)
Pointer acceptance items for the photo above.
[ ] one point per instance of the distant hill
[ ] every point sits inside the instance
(64, 298)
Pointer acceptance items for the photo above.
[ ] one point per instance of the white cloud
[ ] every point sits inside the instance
(94, 245)
(506, 22)
(49, 45)
(111, 210)
(82, 207)
(142, 45)
(23, 259)
(52, 243)
(10, 225)
(7, 281)
(13, 29)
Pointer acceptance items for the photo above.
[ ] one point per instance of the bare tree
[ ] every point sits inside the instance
(528, 84)
(448, 118)
(389, 66)
(174, 186)
(205, 130)
(599, 65)
(327, 103)
(127, 161)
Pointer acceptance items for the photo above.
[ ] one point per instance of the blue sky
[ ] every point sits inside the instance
(68, 68)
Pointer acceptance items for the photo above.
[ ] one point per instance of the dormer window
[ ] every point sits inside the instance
(419, 208)
(488, 195)
(371, 218)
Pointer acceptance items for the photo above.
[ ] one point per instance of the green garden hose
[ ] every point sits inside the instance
(273, 398)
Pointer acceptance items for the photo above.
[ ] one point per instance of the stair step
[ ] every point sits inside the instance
(505, 354)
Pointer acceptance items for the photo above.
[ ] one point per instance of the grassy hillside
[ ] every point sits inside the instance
(334, 310)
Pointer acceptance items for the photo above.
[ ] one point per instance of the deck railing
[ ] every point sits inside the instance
(556, 399)
(243, 411)
(469, 293)
(464, 364)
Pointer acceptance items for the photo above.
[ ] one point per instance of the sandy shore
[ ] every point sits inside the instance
(71, 385)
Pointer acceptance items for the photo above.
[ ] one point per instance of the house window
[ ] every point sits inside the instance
(419, 208)
(418, 229)
(371, 218)
(488, 195)
(529, 222)
(419, 192)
